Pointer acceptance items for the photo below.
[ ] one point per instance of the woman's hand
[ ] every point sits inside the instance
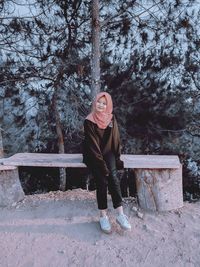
(119, 164)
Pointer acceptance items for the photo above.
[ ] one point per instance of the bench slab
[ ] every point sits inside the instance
(75, 161)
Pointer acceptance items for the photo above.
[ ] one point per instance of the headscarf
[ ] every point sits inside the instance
(102, 119)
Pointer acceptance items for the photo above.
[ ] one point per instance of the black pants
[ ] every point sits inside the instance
(111, 183)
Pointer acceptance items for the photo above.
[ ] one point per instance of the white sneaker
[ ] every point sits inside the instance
(105, 224)
(122, 220)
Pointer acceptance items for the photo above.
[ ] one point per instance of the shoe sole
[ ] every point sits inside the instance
(106, 231)
(124, 228)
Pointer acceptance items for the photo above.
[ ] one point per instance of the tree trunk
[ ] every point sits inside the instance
(159, 189)
(61, 148)
(95, 61)
(1, 145)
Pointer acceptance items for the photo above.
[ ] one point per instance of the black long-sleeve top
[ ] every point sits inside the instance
(98, 142)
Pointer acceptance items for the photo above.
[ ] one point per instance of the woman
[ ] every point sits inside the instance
(101, 154)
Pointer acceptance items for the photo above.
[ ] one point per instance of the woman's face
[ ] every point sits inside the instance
(101, 104)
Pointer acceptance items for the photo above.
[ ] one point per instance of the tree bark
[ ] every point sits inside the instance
(1, 138)
(95, 61)
(61, 148)
(159, 189)
(1, 145)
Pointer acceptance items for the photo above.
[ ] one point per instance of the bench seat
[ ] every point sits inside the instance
(75, 161)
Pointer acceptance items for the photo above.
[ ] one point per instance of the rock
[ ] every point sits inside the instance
(140, 215)
(145, 227)
(134, 208)
(61, 251)
(14, 204)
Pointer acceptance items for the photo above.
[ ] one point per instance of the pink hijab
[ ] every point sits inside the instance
(102, 119)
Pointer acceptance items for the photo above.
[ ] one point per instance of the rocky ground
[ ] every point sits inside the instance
(61, 229)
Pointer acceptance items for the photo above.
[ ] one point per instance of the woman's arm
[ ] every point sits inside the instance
(93, 148)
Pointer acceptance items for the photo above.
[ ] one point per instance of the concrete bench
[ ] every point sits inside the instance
(158, 177)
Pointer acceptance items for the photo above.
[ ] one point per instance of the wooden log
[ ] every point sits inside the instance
(10, 187)
(159, 189)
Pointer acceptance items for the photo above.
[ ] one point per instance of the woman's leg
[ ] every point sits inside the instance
(115, 190)
(101, 191)
(103, 213)
(101, 194)
(120, 210)
(114, 182)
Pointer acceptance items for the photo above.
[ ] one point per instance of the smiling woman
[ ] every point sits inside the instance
(101, 104)
(101, 153)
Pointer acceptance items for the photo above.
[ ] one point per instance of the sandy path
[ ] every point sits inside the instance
(61, 229)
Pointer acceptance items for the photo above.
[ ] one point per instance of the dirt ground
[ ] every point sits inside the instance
(60, 229)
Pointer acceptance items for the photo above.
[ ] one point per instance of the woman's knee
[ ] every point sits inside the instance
(101, 182)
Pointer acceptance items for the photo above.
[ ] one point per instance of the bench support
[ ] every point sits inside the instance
(63, 180)
(159, 189)
(10, 186)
